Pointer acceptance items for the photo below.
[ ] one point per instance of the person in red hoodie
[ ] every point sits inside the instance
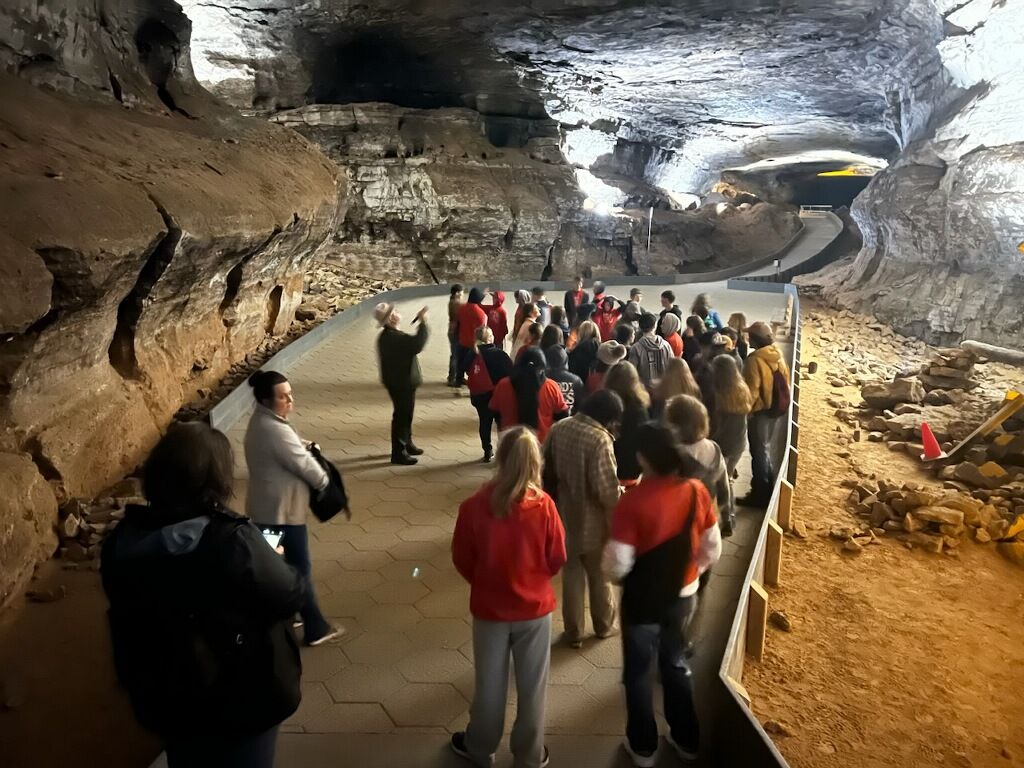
(497, 318)
(469, 317)
(664, 535)
(669, 331)
(508, 544)
(609, 311)
(528, 397)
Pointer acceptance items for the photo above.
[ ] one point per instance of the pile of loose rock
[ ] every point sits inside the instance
(948, 369)
(84, 524)
(935, 520)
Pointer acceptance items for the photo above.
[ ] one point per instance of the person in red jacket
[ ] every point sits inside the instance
(470, 317)
(528, 397)
(497, 318)
(664, 535)
(669, 331)
(508, 544)
(607, 317)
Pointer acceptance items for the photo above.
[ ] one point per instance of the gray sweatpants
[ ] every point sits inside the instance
(528, 644)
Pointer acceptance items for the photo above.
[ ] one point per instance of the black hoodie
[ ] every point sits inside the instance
(571, 385)
(200, 619)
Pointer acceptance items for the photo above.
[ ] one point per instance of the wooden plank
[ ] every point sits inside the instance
(757, 620)
(794, 457)
(794, 432)
(784, 514)
(773, 555)
(737, 686)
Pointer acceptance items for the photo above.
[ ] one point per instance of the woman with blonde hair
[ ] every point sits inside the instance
(732, 404)
(738, 324)
(508, 544)
(688, 418)
(623, 380)
(678, 380)
(584, 352)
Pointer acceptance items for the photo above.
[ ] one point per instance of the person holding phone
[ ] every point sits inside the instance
(401, 376)
(281, 473)
(200, 611)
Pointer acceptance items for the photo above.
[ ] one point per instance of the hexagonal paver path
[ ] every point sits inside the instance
(405, 665)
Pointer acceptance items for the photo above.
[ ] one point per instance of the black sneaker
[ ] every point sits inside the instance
(750, 500)
(488, 455)
(403, 459)
(412, 450)
(458, 744)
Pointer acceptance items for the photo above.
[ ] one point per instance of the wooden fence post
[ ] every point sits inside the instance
(773, 555)
(785, 509)
(757, 620)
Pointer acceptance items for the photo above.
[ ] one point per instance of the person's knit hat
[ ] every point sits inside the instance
(598, 290)
(611, 352)
(382, 312)
(670, 324)
(476, 295)
(523, 296)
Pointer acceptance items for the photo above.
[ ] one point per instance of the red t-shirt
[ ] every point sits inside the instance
(658, 509)
(549, 402)
(676, 342)
(606, 322)
(471, 317)
(509, 561)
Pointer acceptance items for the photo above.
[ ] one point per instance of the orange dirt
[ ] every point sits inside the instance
(896, 657)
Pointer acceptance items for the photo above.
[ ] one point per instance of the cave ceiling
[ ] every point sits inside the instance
(670, 91)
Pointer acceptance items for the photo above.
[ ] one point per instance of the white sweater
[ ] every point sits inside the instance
(281, 471)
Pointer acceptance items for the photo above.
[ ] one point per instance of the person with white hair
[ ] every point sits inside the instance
(400, 374)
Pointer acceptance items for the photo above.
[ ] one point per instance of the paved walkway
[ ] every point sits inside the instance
(401, 680)
(819, 231)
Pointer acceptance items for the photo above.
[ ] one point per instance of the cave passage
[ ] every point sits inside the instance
(834, 191)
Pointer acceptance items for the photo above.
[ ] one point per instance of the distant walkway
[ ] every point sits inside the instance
(820, 229)
(401, 680)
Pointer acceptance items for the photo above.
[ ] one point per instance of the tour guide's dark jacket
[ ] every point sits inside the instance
(200, 617)
(399, 368)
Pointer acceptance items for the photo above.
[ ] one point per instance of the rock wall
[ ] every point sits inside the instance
(427, 196)
(943, 227)
(149, 238)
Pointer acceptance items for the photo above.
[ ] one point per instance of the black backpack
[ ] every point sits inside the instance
(201, 668)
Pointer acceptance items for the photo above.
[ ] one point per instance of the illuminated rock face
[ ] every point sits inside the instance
(671, 93)
(943, 226)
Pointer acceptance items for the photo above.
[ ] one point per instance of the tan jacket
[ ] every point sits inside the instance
(579, 459)
(758, 371)
(281, 471)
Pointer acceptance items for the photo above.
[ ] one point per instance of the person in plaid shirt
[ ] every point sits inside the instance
(579, 473)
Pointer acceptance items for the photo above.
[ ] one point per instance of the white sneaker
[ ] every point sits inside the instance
(640, 759)
(686, 757)
(331, 635)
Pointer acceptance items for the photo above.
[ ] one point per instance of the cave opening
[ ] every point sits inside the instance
(836, 191)
(377, 65)
(158, 49)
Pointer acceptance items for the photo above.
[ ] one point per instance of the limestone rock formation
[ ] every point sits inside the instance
(154, 237)
(944, 225)
(426, 195)
(25, 539)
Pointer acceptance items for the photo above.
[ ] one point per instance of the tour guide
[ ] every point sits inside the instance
(400, 374)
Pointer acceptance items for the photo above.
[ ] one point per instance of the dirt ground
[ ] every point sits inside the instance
(896, 657)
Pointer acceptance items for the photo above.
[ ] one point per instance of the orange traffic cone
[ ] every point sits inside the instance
(932, 450)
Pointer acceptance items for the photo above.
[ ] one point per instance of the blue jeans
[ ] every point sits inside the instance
(760, 429)
(242, 752)
(295, 541)
(641, 643)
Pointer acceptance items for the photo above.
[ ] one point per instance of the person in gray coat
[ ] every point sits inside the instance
(282, 473)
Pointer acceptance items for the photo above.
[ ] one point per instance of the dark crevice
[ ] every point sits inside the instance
(115, 87)
(43, 464)
(158, 49)
(122, 346)
(274, 307)
(237, 272)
